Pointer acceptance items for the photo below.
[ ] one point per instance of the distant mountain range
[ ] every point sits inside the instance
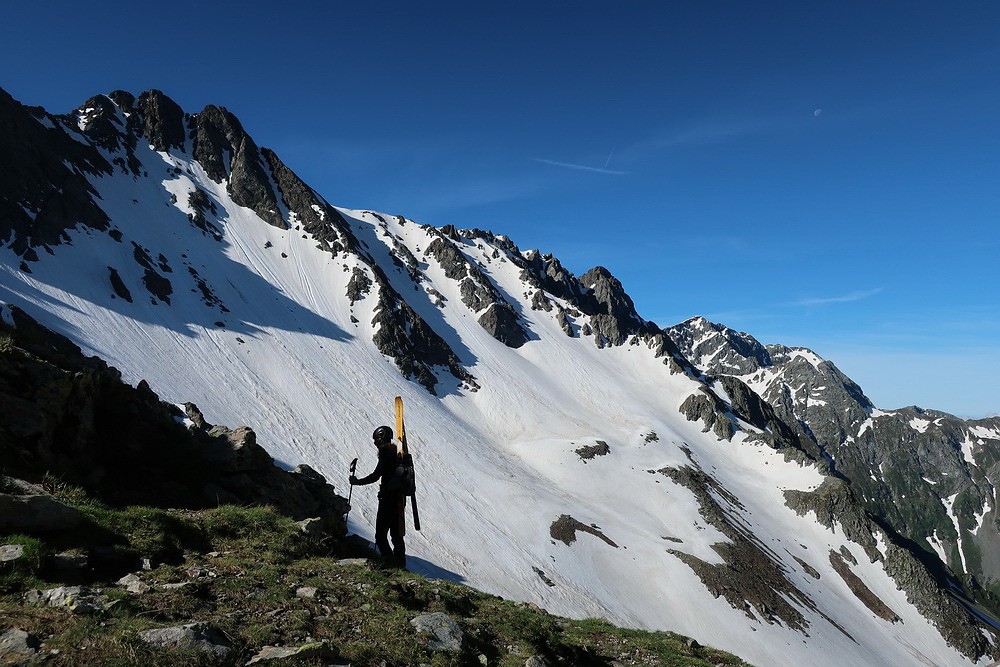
(570, 453)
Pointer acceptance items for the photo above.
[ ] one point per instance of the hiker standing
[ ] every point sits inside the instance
(388, 521)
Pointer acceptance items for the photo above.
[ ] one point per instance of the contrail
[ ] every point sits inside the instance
(581, 167)
(608, 161)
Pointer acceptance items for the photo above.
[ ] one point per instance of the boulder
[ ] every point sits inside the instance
(133, 584)
(36, 513)
(444, 633)
(77, 599)
(305, 652)
(16, 647)
(11, 552)
(197, 636)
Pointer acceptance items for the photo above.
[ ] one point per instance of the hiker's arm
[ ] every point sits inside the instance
(370, 478)
(384, 466)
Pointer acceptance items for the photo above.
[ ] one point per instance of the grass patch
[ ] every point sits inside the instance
(239, 570)
(22, 573)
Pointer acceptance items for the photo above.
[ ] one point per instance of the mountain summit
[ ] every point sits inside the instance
(571, 453)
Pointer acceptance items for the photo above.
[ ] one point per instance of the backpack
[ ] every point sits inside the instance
(407, 478)
(403, 479)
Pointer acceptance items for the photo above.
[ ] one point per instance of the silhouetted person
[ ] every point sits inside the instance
(389, 520)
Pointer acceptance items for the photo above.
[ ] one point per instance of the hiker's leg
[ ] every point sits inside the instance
(384, 521)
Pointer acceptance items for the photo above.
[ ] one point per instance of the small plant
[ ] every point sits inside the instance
(64, 492)
(7, 343)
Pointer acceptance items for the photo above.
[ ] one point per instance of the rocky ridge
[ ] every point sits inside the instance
(929, 475)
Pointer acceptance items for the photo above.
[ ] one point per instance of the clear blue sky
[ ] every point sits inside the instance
(824, 174)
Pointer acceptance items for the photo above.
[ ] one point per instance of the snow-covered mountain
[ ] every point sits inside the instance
(928, 474)
(569, 453)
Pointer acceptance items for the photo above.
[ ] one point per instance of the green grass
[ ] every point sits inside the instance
(242, 567)
(22, 574)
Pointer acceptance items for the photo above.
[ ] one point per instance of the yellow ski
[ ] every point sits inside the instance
(407, 461)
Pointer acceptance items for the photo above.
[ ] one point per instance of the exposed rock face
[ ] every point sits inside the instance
(614, 317)
(163, 120)
(565, 528)
(834, 505)
(17, 647)
(496, 315)
(224, 148)
(73, 417)
(322, 221)
(600, 448)
(43, 191)
(750, 579)
(404, 336)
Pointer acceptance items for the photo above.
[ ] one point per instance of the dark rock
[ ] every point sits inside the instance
(443, 632)
(565, 528)
(17, 647)
(858, 587)
(613, 315)
(193, 636)
(43, 192)
(405, 337)
(541, 575)
(587, 453)
(750, 578)
(163, 120)
(359, 285)
(68, 561)
(310, 651)
(11, 552)
(497, 316)
(118, 285)
(320, 220)
(199, 200)
(28, 513)
(225, 150)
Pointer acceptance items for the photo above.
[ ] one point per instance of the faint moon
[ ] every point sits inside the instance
(817, 112)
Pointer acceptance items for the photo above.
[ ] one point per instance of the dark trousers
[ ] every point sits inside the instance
(389, 521)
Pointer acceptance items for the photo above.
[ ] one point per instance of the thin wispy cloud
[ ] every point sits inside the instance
(846, 298)
(579, 167)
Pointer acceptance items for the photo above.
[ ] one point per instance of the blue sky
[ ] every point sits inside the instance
(814, 173)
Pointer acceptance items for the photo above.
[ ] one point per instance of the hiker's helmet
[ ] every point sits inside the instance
(382, 434)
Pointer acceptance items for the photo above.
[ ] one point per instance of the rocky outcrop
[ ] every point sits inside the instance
(226, 151)
(834, 505)
(405, 337)
(316, 217)
(162, 119)
(36, 513)
(566, 527)
(72, 417)
(442, 632)
(750, 578)
(43, 188)
(612, 316)
(496, 315)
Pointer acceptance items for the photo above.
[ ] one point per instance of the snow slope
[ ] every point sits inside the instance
(280, 347)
